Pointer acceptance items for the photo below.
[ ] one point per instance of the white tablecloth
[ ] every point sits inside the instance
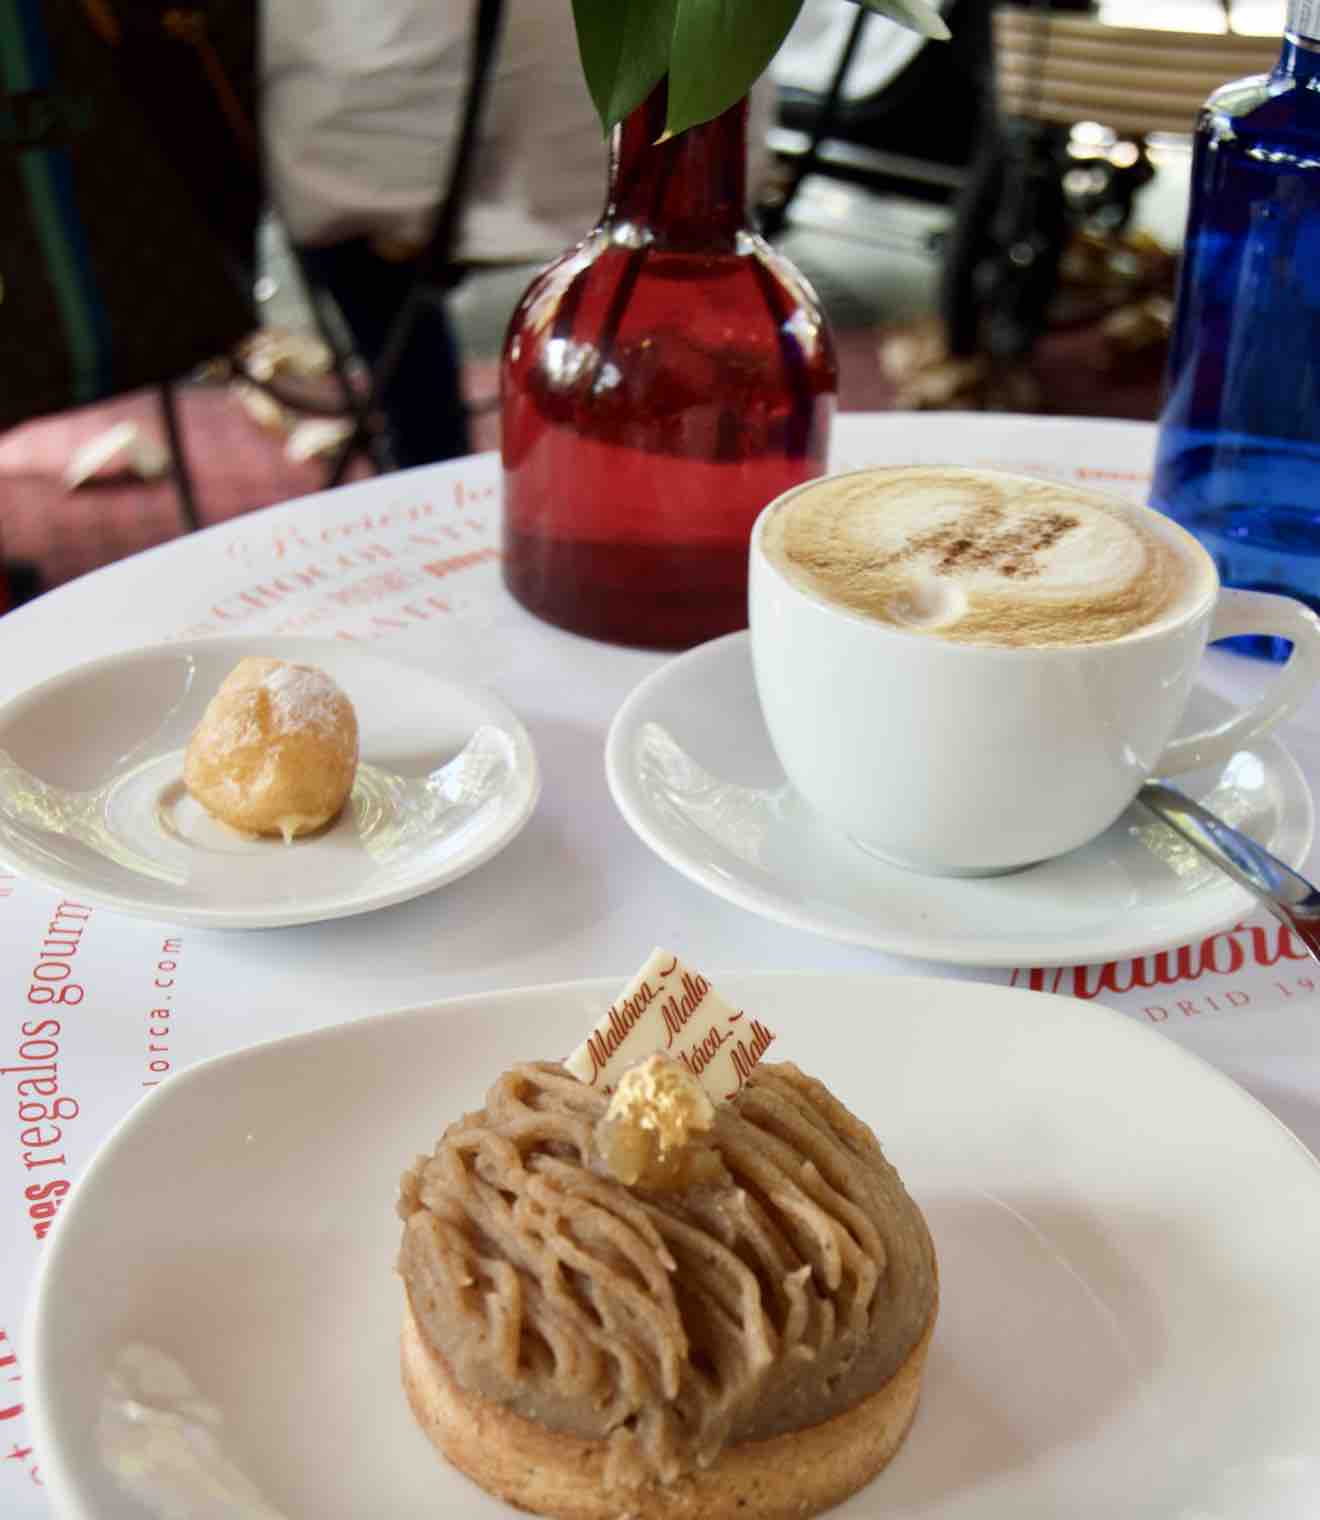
(410, 562)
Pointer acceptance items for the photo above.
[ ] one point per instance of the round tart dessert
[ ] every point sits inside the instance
(738, 1329)
(276, 750)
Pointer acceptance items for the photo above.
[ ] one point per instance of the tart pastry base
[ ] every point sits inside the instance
(787, 1477)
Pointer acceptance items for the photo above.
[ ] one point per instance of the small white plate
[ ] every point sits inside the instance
(93, 801)
(1129, 1250)
(692, 769)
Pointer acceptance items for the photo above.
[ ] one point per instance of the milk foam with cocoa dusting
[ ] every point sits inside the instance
(979, 557)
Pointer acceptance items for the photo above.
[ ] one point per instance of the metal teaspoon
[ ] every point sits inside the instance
(1290, 897)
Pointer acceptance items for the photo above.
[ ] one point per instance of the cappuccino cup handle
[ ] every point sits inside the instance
(1260, 613)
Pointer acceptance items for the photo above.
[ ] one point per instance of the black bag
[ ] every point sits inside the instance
(129, 194)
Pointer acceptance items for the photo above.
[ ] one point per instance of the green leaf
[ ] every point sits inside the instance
(916, 15)
(624, 47)
(719, 49)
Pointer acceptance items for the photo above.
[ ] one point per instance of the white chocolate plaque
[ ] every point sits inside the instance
(667, 1006)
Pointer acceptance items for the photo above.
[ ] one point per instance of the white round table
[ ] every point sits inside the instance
(410, 563)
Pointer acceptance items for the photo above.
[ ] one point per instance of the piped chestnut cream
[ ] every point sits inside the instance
(647, 1293)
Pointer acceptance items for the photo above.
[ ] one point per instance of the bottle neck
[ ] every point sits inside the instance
(1300, 58)
(688, 191)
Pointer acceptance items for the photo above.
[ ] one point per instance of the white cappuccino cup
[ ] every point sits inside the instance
(968, 671)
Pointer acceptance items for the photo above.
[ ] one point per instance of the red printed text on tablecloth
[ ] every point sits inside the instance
(93, 1005)
(1110, 478)
(44, 1109)
(365, 574)
(62, 1039)
(1252, 966)
(458, 506)
(18, 1460)
(1116, 480)
(160, 1018)
(46, 989)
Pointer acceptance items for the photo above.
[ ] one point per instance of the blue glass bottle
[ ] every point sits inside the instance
(1238, 457)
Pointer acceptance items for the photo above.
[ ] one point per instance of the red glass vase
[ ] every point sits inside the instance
(660, 383)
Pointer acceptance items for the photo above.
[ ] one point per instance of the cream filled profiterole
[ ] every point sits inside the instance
(663, 1278)
(276, 750)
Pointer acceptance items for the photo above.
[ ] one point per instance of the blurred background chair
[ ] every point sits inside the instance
(1040, 179)
(132, 194)
(428, 283)
(135, 190)
(863, 102)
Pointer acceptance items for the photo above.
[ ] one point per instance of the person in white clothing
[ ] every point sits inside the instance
(362, 103)
(361, 110)
(361, 107)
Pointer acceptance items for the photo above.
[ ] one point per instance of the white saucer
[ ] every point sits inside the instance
(691, 768)
(93, 802)
(1129, 1247)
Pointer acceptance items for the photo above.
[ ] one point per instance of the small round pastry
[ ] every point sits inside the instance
(276, 750)
(749, 1343)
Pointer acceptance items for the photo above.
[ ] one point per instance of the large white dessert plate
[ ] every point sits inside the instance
(92, 801)
(1129, 1249)
(692, 769)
